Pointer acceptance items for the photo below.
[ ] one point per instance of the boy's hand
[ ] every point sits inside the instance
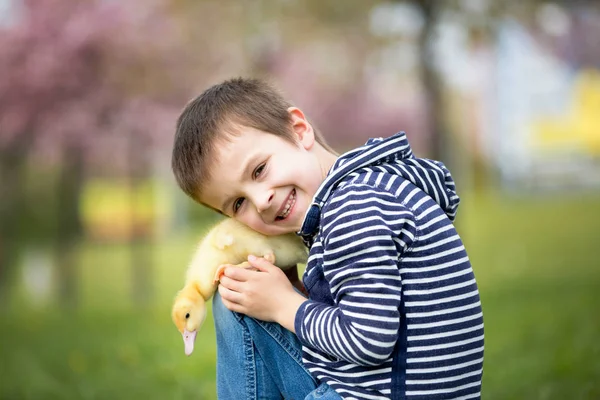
(267, 294)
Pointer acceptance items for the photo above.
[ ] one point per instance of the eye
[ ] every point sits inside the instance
(187, 315)
(237, 204)
(258, 171)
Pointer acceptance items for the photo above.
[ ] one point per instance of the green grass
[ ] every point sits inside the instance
(537, 269)
(536, 264)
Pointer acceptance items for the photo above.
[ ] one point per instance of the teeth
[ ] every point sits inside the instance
(288, 206)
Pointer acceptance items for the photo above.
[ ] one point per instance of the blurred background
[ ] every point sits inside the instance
(95, 236)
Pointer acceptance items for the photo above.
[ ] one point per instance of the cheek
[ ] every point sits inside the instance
(312, 183)
(261, 227)
(253, 223)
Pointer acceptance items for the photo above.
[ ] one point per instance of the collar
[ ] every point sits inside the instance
(373, 152)
(310, 226)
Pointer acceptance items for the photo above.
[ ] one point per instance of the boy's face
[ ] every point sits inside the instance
(264, 181)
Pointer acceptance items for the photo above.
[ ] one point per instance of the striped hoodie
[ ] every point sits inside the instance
(393, 309)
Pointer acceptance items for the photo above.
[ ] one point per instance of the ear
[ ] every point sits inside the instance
(302, 128)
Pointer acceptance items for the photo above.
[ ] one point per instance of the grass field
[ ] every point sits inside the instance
(536, 264)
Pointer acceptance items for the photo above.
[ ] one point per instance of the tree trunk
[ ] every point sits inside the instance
(69, 225)
(443, 148)
(12, 204)
(142, 267)
(431, 81)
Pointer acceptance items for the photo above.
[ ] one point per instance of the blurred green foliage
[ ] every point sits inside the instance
(37, 210)
(534, 259)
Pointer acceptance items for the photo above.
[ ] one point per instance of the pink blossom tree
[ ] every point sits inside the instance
(72, 75)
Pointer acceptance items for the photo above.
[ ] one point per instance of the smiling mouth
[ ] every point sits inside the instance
(288, 206)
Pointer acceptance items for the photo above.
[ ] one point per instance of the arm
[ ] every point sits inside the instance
(364, 236)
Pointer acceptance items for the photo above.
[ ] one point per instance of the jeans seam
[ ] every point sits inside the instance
(295, 354)
(250, 365)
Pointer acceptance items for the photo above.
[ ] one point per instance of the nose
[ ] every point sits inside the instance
(263, 200)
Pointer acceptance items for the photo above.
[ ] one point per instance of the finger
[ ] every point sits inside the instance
(260, 263)
(238, 274)
(231, 284)
(220, 272)
(232, 306)
(230, 295)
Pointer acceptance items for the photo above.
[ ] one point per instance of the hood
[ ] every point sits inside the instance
(429, 175)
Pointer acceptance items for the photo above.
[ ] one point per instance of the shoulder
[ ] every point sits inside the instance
(355, 194)
(363, 186)
(358, 204)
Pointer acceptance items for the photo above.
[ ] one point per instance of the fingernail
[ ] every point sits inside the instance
(251, 258)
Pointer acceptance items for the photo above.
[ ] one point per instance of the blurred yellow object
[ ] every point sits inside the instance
(112, 210)
(580, 128)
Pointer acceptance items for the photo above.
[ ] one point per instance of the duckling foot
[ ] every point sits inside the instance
(221, 270)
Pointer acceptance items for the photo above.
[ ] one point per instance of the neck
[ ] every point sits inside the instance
(191, 291)
(326, 159)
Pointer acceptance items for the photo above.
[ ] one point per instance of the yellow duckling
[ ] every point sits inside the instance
(229, 242)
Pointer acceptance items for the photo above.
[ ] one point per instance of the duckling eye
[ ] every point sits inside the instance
(187, 315)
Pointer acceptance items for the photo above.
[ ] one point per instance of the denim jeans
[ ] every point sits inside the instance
(259, 360)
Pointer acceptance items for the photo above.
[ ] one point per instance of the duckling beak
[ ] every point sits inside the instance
(188, 340)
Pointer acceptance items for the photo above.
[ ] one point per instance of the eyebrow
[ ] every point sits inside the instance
(251, 160)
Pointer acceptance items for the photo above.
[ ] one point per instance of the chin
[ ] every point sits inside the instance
(277, 230)
(280, 228)
(265, 230)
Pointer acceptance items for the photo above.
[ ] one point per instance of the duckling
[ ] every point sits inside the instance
(228, 243)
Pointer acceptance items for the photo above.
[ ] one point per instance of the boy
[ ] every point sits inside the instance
(393, 310)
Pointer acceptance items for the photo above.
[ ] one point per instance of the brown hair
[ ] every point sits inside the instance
(213, 115)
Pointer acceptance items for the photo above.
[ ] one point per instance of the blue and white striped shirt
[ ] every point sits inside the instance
(393, 309)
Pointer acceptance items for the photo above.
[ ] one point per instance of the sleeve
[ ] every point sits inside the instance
(365, 231)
